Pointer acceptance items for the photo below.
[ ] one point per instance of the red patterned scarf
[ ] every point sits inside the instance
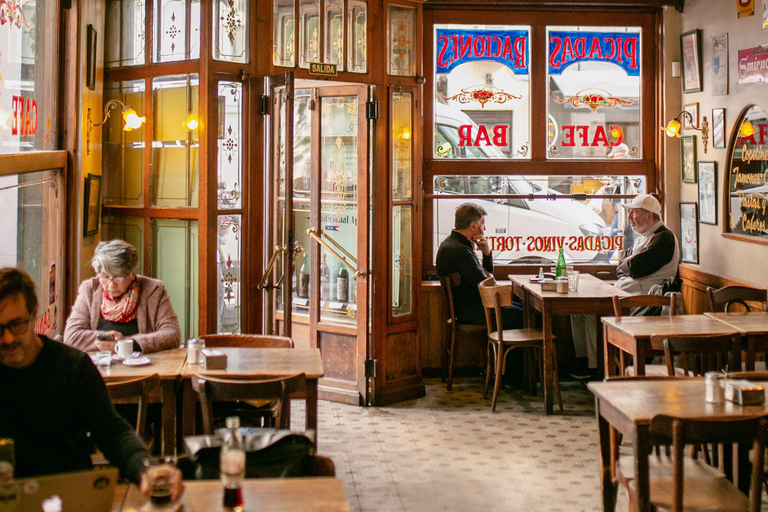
(123, 309)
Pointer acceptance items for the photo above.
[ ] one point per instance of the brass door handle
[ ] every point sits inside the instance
(263, 283)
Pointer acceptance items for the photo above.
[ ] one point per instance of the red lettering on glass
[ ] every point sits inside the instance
(482, 134)
(568, 134)
(595, 52)
(567, 50)
(583, 132)
(497, 40)
(465, 135)
(580, 47)
(557, 43)
(520, 53)
(599, 137)
(442, 43)
(630, 49)
(500, 135)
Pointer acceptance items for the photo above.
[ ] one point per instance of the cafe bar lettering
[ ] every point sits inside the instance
(749, 182)
(510, 47)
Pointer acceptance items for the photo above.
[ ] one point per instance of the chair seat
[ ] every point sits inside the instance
(655, 370)
(526, 335)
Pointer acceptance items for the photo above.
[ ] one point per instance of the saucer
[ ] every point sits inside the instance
(137, 361)
(135, 355)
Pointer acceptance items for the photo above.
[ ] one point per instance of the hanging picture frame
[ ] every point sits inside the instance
(718, 128)
(92, 206)
(690, 49)
(688, 158)
(689, 233)
(693, 110)
(707, 176)
(720, 65)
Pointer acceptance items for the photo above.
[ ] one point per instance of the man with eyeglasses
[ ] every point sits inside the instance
(52, 397)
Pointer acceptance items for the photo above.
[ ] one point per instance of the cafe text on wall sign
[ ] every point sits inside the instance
(620, 48)
(748, 180)
(509, 47)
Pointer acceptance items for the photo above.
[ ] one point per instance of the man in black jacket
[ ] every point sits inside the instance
(457, 254)
(52, 396)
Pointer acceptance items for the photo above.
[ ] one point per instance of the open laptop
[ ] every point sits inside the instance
(92, 491)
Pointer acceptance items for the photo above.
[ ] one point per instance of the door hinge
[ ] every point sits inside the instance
(264, 105)
(372, 368)
(372, 110)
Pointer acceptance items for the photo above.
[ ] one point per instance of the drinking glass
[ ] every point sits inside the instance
(7, 459)
(161, 474)
(573, 280)
(103, 359)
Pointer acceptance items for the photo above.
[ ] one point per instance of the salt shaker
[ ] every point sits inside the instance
(715, 387)
(194, 348)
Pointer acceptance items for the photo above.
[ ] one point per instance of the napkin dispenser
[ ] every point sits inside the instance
(549, 285)
(214, 359)
(744, 392)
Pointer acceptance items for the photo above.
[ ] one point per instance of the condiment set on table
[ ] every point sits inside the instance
(743, 392)
(561, 279)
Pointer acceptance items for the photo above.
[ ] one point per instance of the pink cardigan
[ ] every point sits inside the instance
(158, 324)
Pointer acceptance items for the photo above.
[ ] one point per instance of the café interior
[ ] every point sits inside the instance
(305, 164)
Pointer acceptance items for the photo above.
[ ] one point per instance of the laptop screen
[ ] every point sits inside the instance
(92, 490)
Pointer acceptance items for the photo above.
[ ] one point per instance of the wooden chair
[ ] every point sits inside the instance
(247, 340)
(213, 389)
(683, 483)
(502, 341)
(696, 354)
(750, 299)
(455, 329)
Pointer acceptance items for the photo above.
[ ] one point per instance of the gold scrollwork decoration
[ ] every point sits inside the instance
(523, 151)
(482, 94)
(634, 152)
(553, 150)
(594, 99)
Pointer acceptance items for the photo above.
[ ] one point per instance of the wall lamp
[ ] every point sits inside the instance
(746, 129)
(131, 120)
(674, 127)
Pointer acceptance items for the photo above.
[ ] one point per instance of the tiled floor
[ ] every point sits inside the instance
(448, 452)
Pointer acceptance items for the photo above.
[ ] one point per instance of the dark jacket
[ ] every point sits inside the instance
(456, 254)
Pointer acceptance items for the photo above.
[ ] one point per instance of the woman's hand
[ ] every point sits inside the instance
(106, 339)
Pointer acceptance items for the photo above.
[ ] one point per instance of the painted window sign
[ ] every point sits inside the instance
(509, 47)
(620, 48)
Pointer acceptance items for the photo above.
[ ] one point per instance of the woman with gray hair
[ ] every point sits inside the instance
(118, 304)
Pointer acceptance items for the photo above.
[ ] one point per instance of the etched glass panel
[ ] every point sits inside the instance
(124, 38)
(175, 263)
(284, 33)
(309, 16)
(177, 30)
(402, 260)
(402, 145)
(123, 152)
(334, 33)
(230, 30)
(175, 156)
(228, 264)
(357, 36)
(130, 229)
(401, 41)
(338, 201)
(230, 143)
(302, 131)
(593, 105)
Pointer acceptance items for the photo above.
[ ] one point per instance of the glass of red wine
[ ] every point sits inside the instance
(161, 474)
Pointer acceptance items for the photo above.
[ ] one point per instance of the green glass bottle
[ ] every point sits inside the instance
(560, 270)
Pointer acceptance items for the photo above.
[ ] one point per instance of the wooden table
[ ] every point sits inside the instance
(262, 494)
(168, 365)
(594, 297)
(629, 406)
(632, 334)
(753, 326)
(258, 363)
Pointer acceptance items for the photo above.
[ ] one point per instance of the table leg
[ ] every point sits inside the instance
(169, 416)
(610, 352)
(311, 418)
(189, 401)
(606, 472)
(546, 327)
(643, 487)
(599, 348)
(639, 357)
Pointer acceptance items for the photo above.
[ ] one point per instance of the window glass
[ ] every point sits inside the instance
(230, 154)
(230, 30)
(177, 29)
(357, 35)
(309, 15)
(402, 145)
(402, 260)
(130, 229)
(124, 33)
(334, 33)
(229, 260)
(27, 76)
(401, 32)
(284, 33)
(531, 230)
(593, 79)
(482, 92)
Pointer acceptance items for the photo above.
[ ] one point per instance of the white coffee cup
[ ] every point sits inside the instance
(124, 348)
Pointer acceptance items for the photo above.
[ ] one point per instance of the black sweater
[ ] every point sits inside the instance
(49, 407)
(457, 255)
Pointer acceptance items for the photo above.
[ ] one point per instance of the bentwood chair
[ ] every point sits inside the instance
(214, 389)
(684, 483)
(247, 340)
(748, 299)
(456, 330)
(502, 341)
(696, 355)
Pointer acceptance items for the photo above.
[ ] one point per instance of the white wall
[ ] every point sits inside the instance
(743, 261)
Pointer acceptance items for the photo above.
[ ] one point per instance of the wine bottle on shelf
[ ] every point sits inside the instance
(342, 284)
(232, 466)
(325, 280)
(303, 290)
(560, 269)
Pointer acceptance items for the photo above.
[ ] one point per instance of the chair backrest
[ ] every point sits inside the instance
(447, 283)
(722, 299)
(696, 354)
(212, 389)
(135, 389)
(679, 431)
(247, 340)
(494, 297)
(622, 306)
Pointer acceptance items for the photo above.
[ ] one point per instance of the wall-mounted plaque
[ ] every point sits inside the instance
(747, 177)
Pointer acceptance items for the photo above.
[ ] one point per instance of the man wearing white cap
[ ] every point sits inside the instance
(651, 260)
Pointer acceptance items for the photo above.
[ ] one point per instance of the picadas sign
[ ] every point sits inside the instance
(24, 116)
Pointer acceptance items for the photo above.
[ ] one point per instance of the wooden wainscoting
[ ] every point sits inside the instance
(694, 288)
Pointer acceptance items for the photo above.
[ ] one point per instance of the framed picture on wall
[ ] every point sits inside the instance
(707, 174)
(688, 158)
(693, 110)
(718, 128)
(690, 49)
(720, 65)
(689, 233)
(92, 206)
